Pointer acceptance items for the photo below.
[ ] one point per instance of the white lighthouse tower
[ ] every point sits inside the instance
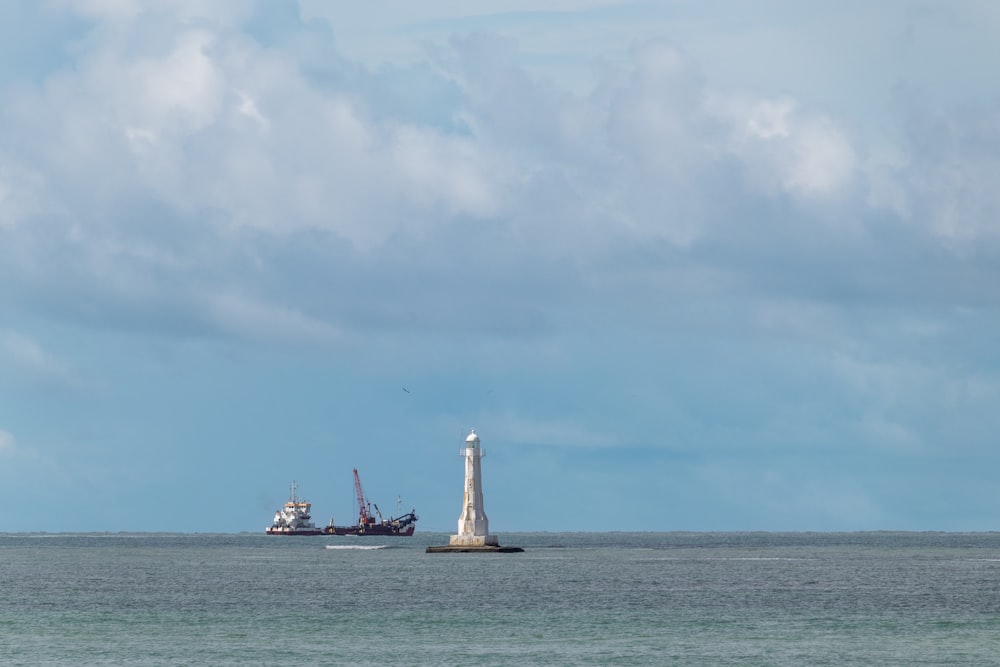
(473, 526)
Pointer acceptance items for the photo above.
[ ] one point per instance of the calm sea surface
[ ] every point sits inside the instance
(569, 599)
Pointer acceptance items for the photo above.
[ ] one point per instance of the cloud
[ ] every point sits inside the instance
(949, 182)
(25, 356)
(192, 156)
(783, 149)
(127, 12)
(260, 321)
(19, 194)
(7, 442)
(105, 9)
(199, 162)
(249, 109)
(658, 233)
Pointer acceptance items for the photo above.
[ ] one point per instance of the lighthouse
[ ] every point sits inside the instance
(473, 526)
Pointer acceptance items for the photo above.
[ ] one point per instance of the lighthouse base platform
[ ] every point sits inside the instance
(468, 548)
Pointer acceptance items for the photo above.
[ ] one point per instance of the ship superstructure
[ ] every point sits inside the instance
(294, 518)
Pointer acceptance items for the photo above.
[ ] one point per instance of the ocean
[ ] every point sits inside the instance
(568, 599)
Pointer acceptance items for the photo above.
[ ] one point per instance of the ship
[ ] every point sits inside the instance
(368, 524)
(294, 518)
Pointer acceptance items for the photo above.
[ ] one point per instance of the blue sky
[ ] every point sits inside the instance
(683, 265)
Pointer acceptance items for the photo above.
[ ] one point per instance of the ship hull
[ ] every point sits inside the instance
(402, 526)
(376, 529)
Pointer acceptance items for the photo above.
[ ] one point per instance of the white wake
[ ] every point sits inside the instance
(363, 547)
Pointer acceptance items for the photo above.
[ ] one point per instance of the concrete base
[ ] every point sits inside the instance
(473, 541)
(465, 549)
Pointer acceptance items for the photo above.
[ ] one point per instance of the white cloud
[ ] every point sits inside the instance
(248, 108)
(785, 149)
(824, 160)
(189, 132)
(180, 92)
(309, 157)
(656, 114)
(443, 172)
(769, 119)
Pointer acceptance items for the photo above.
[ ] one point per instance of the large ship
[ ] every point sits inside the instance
(294, 518)
(402, 526)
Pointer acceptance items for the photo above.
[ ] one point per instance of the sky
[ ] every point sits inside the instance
(682, 265)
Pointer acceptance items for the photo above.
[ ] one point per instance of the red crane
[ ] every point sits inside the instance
(364, 509)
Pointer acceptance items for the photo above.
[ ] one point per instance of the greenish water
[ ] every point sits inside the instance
(569, 599)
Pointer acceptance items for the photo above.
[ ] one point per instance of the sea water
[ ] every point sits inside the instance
(568, 599)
